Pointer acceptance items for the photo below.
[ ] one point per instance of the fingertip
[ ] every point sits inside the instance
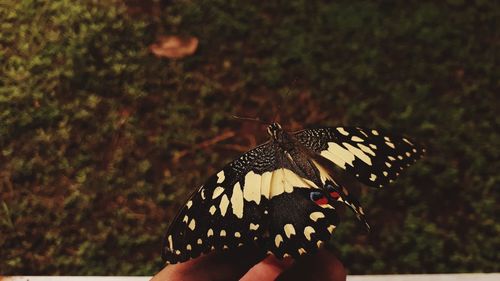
(218, 265)
(268, 269)
(333, 265)
(322, 265)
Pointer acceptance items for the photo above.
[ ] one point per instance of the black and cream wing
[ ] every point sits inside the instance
(298, 225)
(259, 198)
(372, 156)
(222, 213)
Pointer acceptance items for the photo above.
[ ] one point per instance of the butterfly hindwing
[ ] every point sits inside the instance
(375, 158)
(297, 225)
(335, 191)
(253, 199)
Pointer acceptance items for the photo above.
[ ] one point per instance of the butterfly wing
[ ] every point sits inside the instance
(264, 197)
(299, 225)
(296, 224)
(375, 158)
(224, 212)
(259, 198)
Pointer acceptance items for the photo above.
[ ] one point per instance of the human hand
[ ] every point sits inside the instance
(247, 264)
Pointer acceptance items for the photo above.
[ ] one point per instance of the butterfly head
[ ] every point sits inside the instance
(275, 130)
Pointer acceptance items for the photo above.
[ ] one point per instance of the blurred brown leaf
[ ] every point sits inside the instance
(174, 47)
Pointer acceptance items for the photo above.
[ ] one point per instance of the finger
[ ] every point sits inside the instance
(226, 265)
(320, 266)
(268, 269)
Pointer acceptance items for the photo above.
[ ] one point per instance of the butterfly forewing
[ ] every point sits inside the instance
(221, 214)
(375, 158)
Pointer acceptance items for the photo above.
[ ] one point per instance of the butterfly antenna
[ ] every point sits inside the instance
(250, 119)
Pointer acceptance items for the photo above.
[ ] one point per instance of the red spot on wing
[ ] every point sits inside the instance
(322, 201)
(335, 195)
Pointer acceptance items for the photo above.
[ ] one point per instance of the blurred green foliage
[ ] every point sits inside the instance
(101, 141)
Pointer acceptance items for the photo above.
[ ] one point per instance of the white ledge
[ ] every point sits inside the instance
(433, 277)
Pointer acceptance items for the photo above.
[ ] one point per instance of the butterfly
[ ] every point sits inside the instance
(281, 195)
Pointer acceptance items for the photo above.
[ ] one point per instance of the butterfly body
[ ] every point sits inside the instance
(280, 195)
